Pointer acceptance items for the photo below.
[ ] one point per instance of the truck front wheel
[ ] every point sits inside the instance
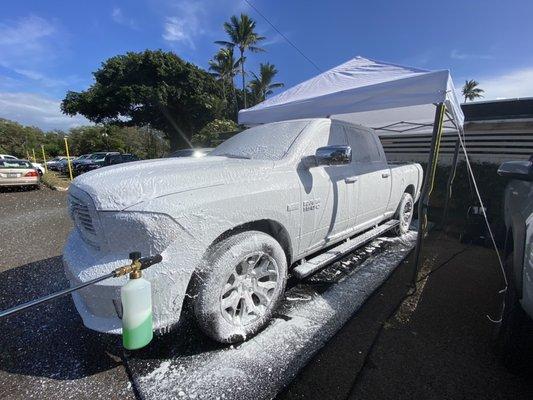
(240, 285)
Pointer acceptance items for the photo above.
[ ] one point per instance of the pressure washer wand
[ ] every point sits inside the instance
(137, 264)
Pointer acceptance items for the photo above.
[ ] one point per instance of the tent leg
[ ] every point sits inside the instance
(451, 178)
(423, 201)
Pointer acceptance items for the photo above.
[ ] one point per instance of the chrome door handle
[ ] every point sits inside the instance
(351, 179)
(385, 175)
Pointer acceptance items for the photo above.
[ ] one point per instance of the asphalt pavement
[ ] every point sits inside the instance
(435, 344)
(46, 352)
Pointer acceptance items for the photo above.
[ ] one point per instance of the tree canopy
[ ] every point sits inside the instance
(150, 88)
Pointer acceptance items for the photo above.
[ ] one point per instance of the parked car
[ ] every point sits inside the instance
(75, 162)
(94, 161)
(55, 163)
(39, 167)
(7, 157)
(197, 152)
(112, 159)
(231, 224)
(515, 336)
(18, 173)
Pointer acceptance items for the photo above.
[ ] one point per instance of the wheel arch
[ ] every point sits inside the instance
(411, 190)
(268, 226)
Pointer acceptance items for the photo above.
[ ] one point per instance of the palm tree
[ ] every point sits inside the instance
(242, 34)
(224, 67)
(262, 85)
(471, 90)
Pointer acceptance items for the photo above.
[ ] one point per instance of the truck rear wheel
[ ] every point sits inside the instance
(404, 214)
(241, 284)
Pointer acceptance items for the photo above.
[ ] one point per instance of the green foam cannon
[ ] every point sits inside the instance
(136, 296)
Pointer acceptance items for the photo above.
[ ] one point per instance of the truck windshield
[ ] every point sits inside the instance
(263, 142)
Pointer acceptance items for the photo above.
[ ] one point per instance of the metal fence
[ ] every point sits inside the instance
(492, 142)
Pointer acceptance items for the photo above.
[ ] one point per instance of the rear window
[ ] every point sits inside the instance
(15, 164)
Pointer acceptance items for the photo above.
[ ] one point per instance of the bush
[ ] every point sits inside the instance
(214, 133)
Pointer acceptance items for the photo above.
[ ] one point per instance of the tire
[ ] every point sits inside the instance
(404, 214)
(514, 336)
(234, 300)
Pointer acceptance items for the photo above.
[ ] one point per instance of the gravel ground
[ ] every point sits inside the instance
(46, 352)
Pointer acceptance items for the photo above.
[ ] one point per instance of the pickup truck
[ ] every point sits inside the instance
(515, 337)
(230, 225)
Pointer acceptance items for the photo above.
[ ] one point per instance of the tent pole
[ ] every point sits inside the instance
(451, 178)
(429, 177)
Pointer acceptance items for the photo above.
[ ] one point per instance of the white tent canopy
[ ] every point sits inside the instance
(383, 96)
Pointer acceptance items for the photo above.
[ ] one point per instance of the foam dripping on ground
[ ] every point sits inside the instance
(186, 365)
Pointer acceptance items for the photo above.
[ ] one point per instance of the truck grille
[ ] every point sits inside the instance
(82, 216)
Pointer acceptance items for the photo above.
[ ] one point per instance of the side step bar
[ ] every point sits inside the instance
(313, 265)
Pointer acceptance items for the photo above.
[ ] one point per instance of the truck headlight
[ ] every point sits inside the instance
(147, 232)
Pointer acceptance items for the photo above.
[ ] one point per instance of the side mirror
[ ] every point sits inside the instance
(333, 155)
(521, 170)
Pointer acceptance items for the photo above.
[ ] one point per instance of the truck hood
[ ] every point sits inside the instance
(121, 186)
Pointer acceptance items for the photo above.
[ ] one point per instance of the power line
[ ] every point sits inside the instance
(283, 36)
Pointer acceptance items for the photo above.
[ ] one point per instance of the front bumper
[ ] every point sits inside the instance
(99, 304)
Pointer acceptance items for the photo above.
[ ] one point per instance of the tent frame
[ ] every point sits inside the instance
(427, 186)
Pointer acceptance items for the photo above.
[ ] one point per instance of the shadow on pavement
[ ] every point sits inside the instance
(49, 340)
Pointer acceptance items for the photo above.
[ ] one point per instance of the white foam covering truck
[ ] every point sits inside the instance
(232, 226)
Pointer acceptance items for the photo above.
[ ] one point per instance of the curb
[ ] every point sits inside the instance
(53, 187)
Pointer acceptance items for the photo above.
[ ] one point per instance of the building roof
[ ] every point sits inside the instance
(518, 108)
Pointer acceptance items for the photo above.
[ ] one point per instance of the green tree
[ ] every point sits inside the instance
(224, 68)
(215, 132)
(150, 88)
(262, 86)
(471, 90)
(19, 140)
(242, 34)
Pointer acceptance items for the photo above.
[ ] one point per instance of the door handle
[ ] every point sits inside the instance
(385, 175)
(351, 179)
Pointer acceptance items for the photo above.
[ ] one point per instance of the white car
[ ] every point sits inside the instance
(230, 225)
(7, 157)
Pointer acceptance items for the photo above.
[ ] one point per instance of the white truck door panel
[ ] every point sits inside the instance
(374, 176)
(323, 193)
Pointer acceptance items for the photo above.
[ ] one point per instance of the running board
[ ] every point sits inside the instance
(311, 266)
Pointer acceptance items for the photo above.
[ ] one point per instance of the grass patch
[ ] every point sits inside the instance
(55, 181)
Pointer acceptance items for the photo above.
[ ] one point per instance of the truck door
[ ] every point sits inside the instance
(324, 210)
(374, 177)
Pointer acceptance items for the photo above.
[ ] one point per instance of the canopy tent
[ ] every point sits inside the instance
(383, 96)
(386, 97)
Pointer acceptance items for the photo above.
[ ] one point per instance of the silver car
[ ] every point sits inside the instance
(18, 173)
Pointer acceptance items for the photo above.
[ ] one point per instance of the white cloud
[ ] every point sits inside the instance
(41, 78)
(458, 55)
(36, 110)
(29, 45)
(118, 16)
(186, 27)
(517, 83)
(25, 41)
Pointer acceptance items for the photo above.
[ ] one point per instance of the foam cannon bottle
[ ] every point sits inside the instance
(136, 297)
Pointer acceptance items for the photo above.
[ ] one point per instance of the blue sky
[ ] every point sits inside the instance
(49, 47)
